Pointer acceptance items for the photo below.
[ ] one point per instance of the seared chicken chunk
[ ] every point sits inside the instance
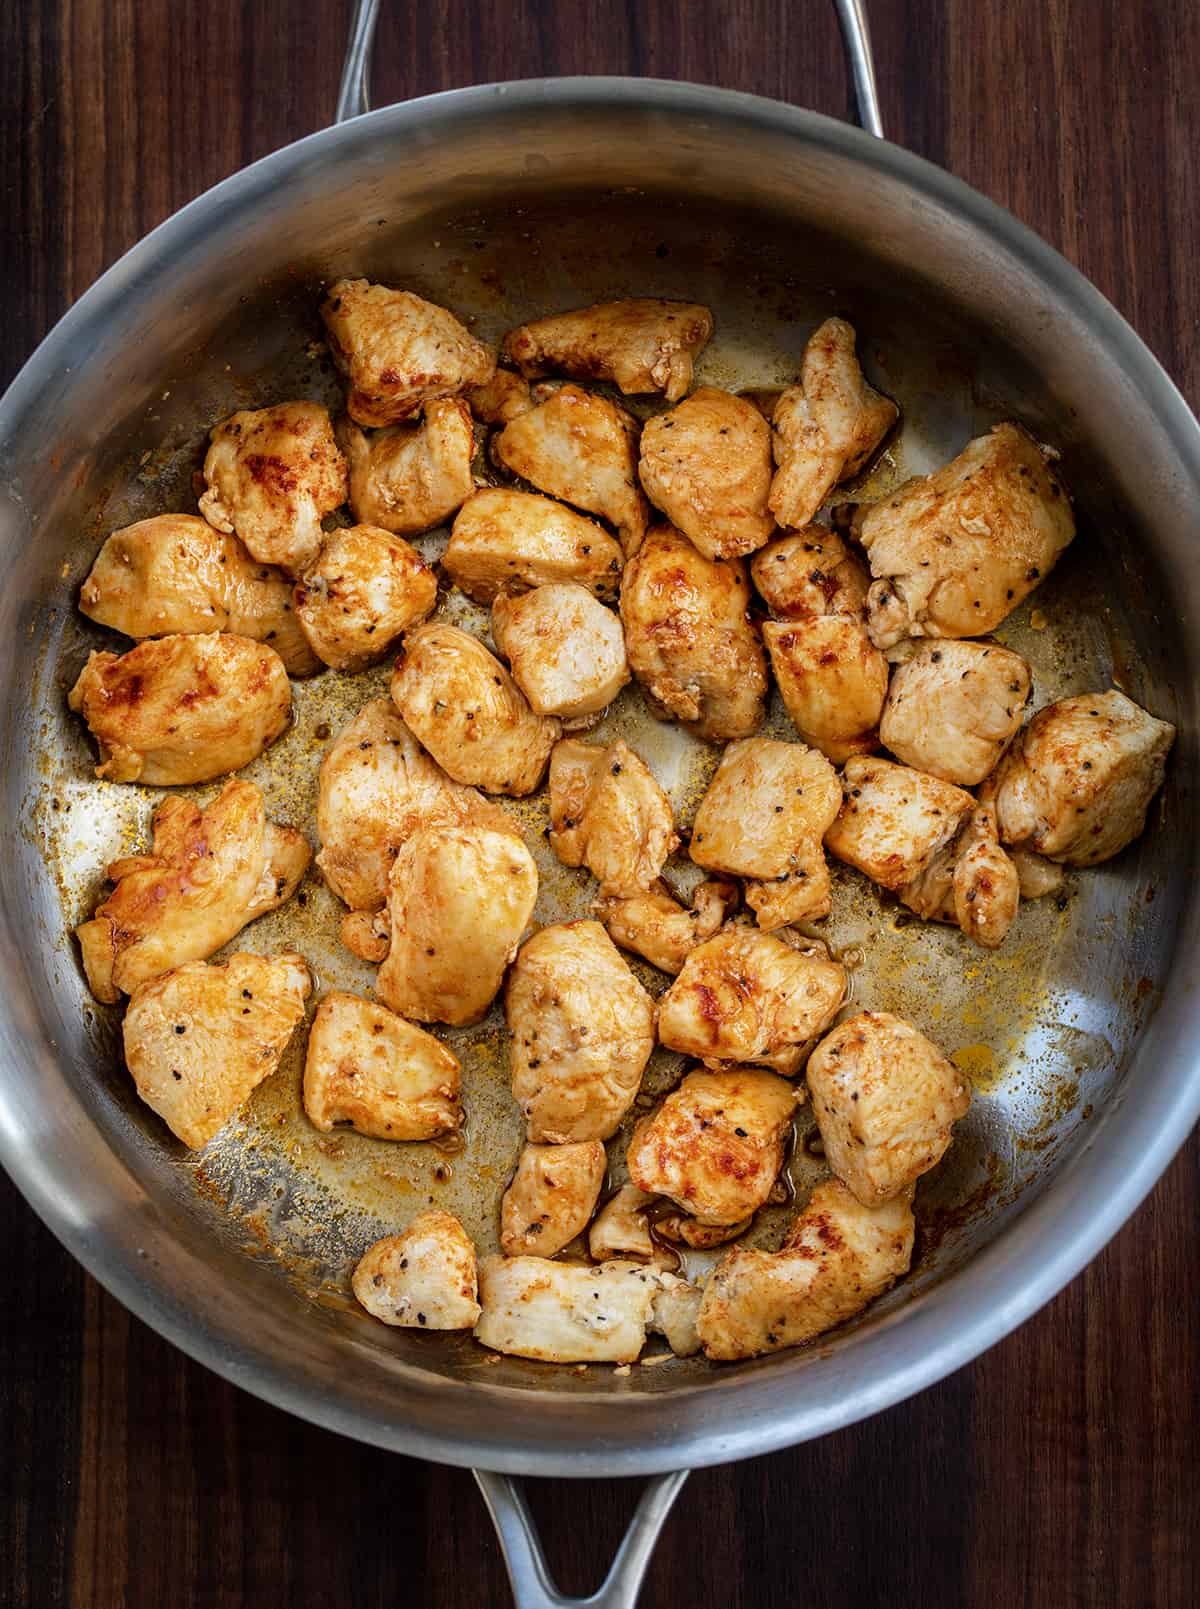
(386, 1078)
(622, 1229)
(894, 820)
(954, 707)
(1036, 875)
(272, 474)
(504, 541)
(582, 1029)
(811, 573)
(565, 1312)
(469, 713)
(676, 1310)
(183, 709)
(424, 1278)
(707, 465)
(398, 351)
(701, 1236)
(657, 927)
(553, 1194)
(409, 478)
(987, 885)
(501, 398)
(200, 1038)
(363, 590)
(954, 552)
(838, 1256)
(566, 650)
(689, 639)
(642, 344)
(832, 679)
(609, 814)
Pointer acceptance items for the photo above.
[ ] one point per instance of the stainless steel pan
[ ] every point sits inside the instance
(503, 201)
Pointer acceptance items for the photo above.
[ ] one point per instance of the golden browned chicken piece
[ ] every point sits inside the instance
(425, 1278)
(1077, 783)
(460, 898)
(1036, 875)
(657, 927)
(609, 814)
(208, 873)
(885, 1100)
(689, 639)
(272, 474)
(582, 1029)
(501, 398)
(715, 1145)
(552, 1195)
(184, 708)
(766, 811)
(584, 449)
(894, 820)
(747, 996)
(409, 478)
(686, 1231)
(566, 1312)
(363, 590)
(565, 649)
(811, 573)
(469, 713)
(643, 344)
(838, 1257)
(386, 1078)
(622, 1229)
(826, 427)
(707, 465)
(174, 574)
(504, 541)
(954, 552)
(398, 351)
(198, 1039)
(954, 707)
(987, 884)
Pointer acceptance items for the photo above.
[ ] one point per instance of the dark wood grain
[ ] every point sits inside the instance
(1059, 1469)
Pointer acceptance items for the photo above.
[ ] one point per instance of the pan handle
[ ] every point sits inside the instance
(532, 1585)
(353, 98)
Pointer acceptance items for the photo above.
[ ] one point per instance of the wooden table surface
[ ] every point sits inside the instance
(1060, 1468)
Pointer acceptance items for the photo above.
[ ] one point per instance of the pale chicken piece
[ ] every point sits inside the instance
(643, 344)
(566, 1312)
(208, 873)
(748, 996)
(837, 1258)
(894, 820)
(955, 552)
(503, 541)
(271, 476)
(584, 449)
(608, 813)
(365, 588)
(174, 574)
(184, 708)
(424, 1278)
(707, 465)
(954, 707)
(763, 817)
(408, 478)
(987, 885)
(200, 1038)
(675, 1313)
(661, 930)
(809, 574)
(552, 1195)
(398, 351)
(622, 1229)
(460, 898)
(1076, 784)
(826, 427)
(581, 1031)
(1036, 875)
(715, 1145)
(386, 1078)
(700, 1236)
(832, 679)
(565, 649)
(500, 399)
(690, 640)
(885, 1100)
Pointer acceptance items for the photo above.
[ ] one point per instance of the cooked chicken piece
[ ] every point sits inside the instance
(584, 449)
(198, 1039)
(643, 344)
(765, 813)
(707, 465)
(747, 996)
(582, 1029)
(1036, 875)
(954, 707)
(826, 427)
(838, 1256)
(272, 474)
(369, 1068)
(553, 1194)
(469, 713)
(656, 926)
(987, 886)
(184, 708)
(398, 351)
(689, 638)
(501, 398)
(460, 899)
(566, 650)
(715, 1145)
(367, 934)
(209, 872)
(363, 590)
(408, 478)
(565, 1312)
(676, 1309)
(621, 1229)
(174, 574)
(832, 679)
(609, 814)
(954, 552)
(809, 574)
(504, 540)
(894, 820)
(1076, 784)
(424, 1278)
(687, 1231)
